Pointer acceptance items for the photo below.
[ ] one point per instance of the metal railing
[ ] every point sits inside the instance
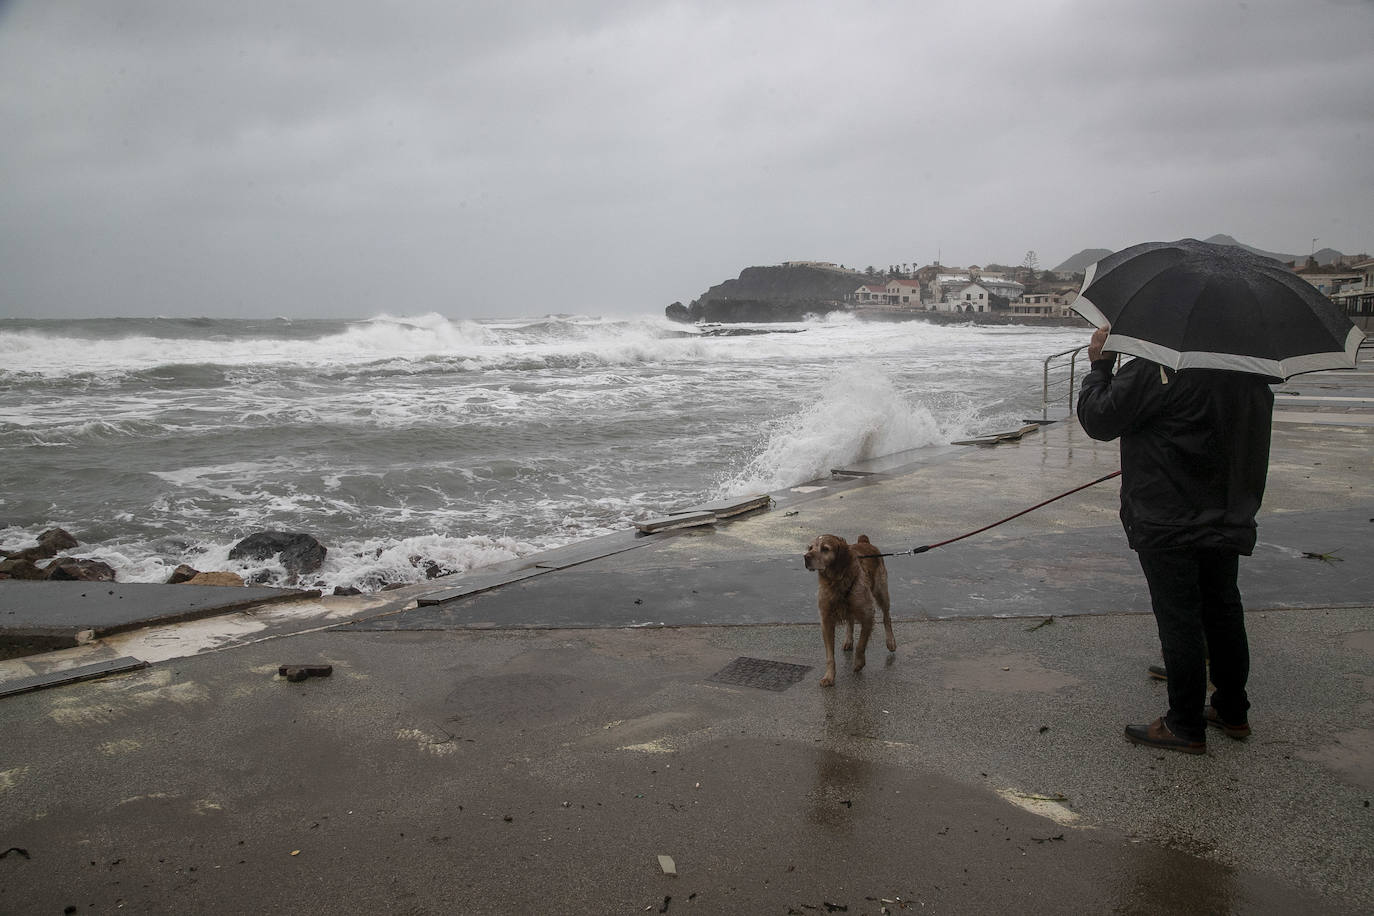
(1051, 382)
(1059, 379)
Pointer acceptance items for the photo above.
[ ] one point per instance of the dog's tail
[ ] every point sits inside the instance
(863, 539)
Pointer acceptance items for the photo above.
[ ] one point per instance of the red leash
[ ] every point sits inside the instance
(916, 550)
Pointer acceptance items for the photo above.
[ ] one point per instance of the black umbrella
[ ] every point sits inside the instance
(1195, 305)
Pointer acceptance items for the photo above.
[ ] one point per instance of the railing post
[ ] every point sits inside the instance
(1045, 380)
(1073, 376)
(1045, 391)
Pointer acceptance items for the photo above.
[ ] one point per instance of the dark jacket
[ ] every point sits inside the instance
(1194, 451)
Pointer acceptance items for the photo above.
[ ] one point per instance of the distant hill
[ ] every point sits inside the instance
(1080, 261)
(1321, 255)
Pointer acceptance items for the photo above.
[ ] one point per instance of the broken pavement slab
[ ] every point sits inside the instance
(991, 439)
(674, 522)
(56, 615)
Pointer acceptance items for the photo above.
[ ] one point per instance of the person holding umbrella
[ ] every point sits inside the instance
(1211, 328)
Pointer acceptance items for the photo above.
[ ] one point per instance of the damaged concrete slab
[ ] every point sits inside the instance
(54, 615)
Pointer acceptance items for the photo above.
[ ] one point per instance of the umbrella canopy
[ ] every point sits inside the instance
(1195, 305)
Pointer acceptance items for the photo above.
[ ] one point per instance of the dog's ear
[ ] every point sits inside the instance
(843, 556)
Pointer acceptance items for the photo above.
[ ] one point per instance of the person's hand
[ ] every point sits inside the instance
(1095, 345)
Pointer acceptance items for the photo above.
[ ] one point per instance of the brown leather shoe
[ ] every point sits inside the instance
(1157, 734)
(1237, 730)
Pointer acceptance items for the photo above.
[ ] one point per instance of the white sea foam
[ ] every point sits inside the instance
(459, 442)
(857, 416)
(366, 564)
(238, 470)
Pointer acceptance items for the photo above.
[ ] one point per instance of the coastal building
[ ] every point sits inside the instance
(972, 297)
(1001, 286)
(822, 265)
(1355, 293)
(1038, 305)
(948, 289)
(946, 286)
(870, 293)
(898, 291)
(901, 291)
(1328, 281)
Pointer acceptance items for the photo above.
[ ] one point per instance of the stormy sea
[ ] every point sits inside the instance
(423, 445)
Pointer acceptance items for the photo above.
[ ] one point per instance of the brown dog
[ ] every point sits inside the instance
(853, 578)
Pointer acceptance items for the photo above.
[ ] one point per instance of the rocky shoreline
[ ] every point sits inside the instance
(298, 553)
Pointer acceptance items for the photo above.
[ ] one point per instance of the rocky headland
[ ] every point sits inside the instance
(788, 292)
(792, 292)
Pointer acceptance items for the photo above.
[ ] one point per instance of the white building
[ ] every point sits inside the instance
(999, 286)
(1356, 295)
(972, 297)
(897, 291)
(870, 292)
(904, 292)
(945, 286)
(1044, 305)
(1329, 283)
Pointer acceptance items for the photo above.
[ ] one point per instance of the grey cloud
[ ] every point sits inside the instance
(341, 158)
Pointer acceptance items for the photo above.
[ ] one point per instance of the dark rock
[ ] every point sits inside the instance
(300, 553)
(760, 310)
(50, 544)
(347, 590)
(75, 569)
(17, 567)
(57, 539)
(678, 312)
(301, 672)
(182, 573)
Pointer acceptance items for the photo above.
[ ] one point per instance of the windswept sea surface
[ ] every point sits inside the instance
(408, 444)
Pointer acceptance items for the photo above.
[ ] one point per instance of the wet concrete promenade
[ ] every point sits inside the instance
(532, 738)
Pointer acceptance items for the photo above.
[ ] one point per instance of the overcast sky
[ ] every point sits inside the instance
(340, 158)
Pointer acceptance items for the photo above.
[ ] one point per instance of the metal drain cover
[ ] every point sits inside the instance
(760, 673)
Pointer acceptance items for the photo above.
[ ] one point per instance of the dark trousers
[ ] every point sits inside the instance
(1197, 608)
